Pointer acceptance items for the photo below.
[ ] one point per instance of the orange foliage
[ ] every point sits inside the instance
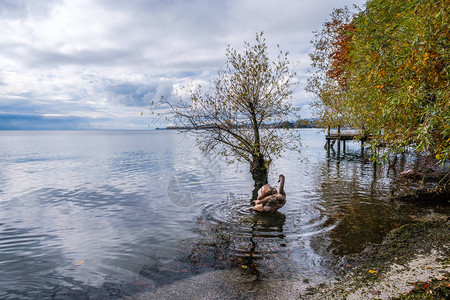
(340, 57)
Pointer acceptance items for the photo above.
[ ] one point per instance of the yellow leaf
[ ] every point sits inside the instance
(244, 267)
(372, 271)
(79, 263)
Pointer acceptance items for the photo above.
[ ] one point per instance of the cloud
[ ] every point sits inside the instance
(22, 9)
(134, 95)
(108, 59)
(39, 58)
(40, 122)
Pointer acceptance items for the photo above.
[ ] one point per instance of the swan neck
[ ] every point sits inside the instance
(281, 189)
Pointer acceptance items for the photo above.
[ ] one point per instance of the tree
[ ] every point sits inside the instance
(329, 58)
(400, 73)
(233, 115)
(387, 70)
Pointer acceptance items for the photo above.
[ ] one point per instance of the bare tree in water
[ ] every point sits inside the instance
(234, 116)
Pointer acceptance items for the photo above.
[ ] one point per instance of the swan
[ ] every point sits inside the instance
(265, 191)
(272, 202)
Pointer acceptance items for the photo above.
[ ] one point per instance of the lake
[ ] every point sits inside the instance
(107, 214)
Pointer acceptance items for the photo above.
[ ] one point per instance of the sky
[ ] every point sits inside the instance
(97, 64)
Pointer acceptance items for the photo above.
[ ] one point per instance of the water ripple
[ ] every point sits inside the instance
(275, 244)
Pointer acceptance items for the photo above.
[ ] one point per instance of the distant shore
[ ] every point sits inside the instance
(307, 123)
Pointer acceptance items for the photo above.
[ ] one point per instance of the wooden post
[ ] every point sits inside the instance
(338, 146)
(339, 140)
(362, 140)
(328, 141)
(343, 144)
(362, 146)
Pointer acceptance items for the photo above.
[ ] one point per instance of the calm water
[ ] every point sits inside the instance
(112, 213)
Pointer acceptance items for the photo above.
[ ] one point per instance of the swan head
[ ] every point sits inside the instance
(281, 177)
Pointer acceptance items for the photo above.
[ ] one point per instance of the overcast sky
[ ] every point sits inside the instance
(79, 64)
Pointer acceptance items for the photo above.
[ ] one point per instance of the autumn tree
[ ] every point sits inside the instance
(400, 74)
(387, 70)
(329, 74)
(232, 116)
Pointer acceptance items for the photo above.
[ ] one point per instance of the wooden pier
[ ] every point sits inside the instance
(332, 138)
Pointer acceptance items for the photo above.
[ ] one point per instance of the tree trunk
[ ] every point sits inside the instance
(259, 170)
(259, 166)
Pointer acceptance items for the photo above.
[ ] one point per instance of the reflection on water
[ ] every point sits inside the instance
(110, 213)
(240, 237)
(261, 245)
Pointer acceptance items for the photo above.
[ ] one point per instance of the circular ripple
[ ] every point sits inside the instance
(277, 243)
(235, 211)
(235, 214)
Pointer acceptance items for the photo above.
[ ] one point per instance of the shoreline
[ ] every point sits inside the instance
(398, 281)
(415, 252)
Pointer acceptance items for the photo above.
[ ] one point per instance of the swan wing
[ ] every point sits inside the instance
(272, 203)
(265, 191)
(264, 200)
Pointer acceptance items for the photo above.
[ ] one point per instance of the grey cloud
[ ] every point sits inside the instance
(21, 9)
(33, 56)
(138, 95)
(35, 114)
(29, 104)
(171, 12)
(175, 29)
(38, 122)
(40, 58)
(131, 95)
(36, 57)
(17, 105)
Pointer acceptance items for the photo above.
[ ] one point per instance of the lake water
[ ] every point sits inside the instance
(106, 214)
